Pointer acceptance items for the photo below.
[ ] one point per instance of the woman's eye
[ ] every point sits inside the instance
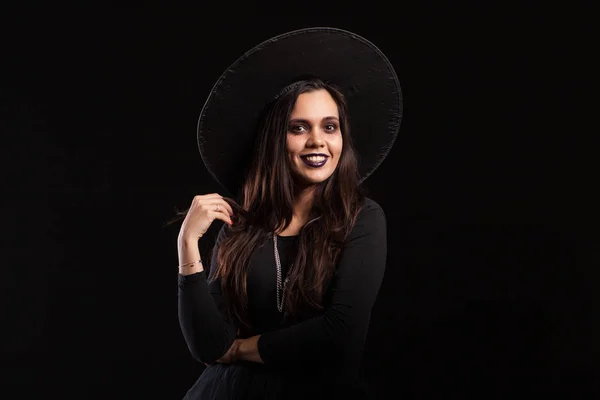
(330, 127)
(298, 129)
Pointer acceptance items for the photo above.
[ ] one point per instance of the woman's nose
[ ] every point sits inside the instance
(317, 142)
(316, 138)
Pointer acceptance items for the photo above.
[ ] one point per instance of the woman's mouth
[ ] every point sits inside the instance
(314, 161)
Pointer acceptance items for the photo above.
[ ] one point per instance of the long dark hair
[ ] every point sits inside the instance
(267, 199)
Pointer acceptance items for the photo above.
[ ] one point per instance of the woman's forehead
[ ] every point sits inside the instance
(318, 104)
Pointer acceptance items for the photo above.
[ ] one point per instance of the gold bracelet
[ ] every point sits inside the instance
(190, 264)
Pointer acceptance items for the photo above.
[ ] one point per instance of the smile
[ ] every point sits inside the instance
(314, 161)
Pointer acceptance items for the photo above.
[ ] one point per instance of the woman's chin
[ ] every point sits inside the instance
(312, 179)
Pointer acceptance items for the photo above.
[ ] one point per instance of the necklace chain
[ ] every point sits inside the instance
(281, 287)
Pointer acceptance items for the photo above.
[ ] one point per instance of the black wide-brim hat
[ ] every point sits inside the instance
(226, 128)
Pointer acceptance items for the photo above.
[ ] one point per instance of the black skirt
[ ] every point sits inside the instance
(249, 381)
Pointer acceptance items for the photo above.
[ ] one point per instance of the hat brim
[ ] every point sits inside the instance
(226, 127)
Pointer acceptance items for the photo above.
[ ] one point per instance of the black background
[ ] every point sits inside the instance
(492, 279)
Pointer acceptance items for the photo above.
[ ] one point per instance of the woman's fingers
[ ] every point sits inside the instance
(214, 199)
(212, 196)
(227, 207)
(221, 215)
(219, 206)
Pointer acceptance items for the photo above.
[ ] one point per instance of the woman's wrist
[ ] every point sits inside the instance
(189, 256)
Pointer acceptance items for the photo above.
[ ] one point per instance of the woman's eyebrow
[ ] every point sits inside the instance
(305, 121)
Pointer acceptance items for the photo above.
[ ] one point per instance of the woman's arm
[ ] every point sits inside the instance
(207, 331)
(354, 290)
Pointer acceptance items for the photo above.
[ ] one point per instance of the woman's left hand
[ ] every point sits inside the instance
(232, 354)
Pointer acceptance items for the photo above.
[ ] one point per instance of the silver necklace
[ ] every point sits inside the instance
(280, 287)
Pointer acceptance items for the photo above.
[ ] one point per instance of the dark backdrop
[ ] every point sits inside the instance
(491, 282)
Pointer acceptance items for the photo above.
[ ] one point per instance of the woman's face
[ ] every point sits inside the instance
(314, 139)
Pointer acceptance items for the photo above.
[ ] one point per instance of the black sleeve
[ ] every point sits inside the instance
(354, 290)
(205, 327)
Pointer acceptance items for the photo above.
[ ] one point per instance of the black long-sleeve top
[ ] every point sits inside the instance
(331, 342)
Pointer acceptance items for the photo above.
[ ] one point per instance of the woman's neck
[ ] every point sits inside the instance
(303, 201)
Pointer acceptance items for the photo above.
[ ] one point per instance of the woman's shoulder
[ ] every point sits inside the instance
(370, 208)
(370, 217)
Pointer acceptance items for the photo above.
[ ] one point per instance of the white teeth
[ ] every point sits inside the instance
(316, 159)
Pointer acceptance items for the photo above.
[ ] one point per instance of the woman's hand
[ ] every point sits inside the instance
(232, 354)
(203, 211)
(243, 350)
(247, 350)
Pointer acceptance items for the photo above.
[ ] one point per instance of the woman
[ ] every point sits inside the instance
(296, 268)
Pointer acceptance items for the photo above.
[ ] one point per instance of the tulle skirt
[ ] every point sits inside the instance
(248, 381)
